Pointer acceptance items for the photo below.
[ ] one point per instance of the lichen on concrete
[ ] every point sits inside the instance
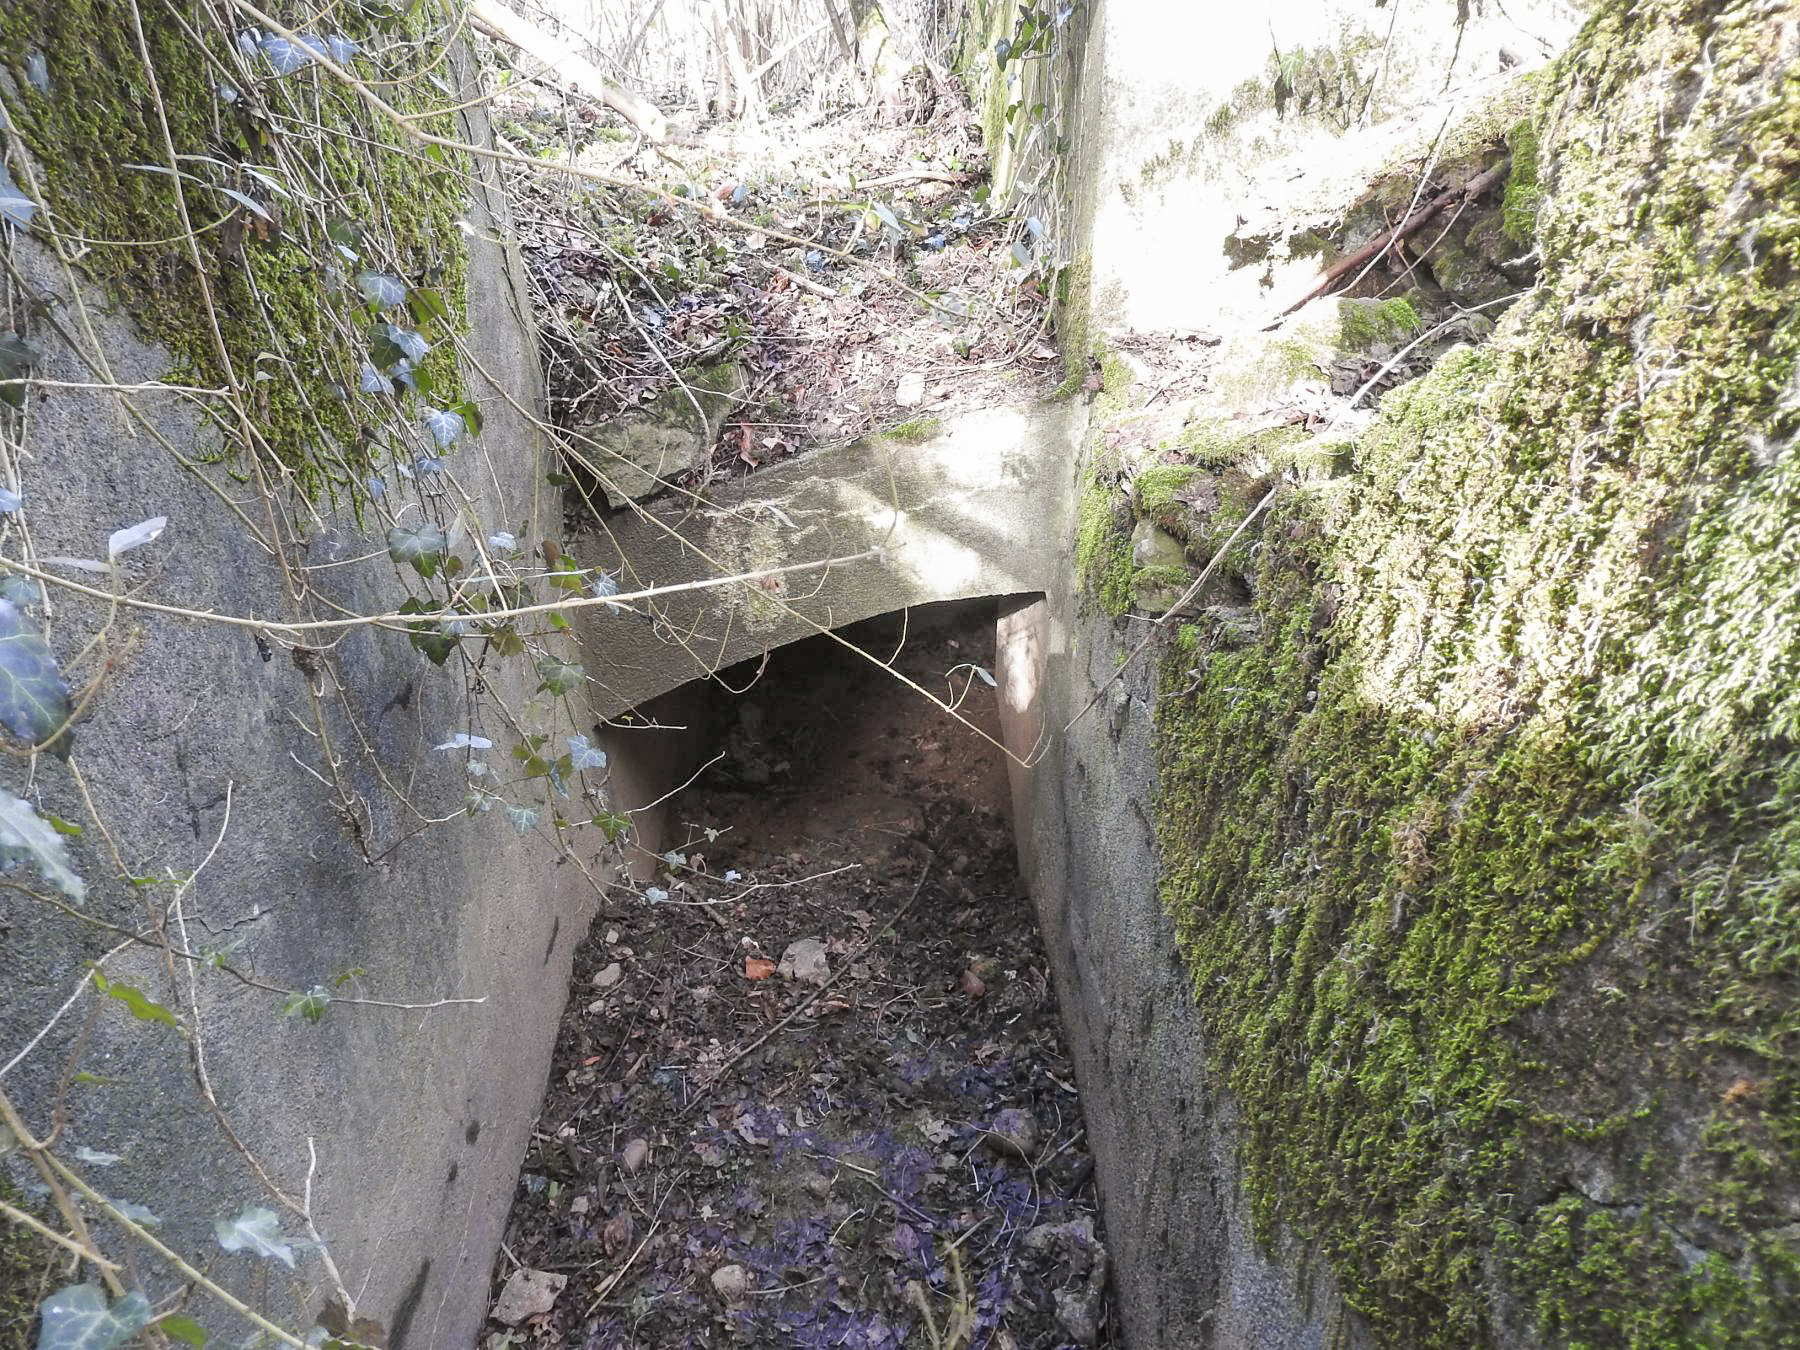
(1483, 851)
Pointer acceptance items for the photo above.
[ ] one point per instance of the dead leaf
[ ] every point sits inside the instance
(615, 1233)
(971, 984)
(527, 1293)
(758, 967)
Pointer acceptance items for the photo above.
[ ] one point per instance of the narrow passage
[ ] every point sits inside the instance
(732, 1152)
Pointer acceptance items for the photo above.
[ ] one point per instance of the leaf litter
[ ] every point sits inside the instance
(895, 1156)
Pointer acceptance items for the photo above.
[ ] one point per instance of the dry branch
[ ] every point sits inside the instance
(564, 63)
(1470, 190)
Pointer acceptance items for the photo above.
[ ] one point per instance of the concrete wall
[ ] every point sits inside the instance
(198, 738)
(967, 508)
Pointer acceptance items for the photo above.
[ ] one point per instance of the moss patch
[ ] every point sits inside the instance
(1520, 205)
(1485, 850)
(291, 323)
(28, 1274)
(1364, 324)
(1103, 546)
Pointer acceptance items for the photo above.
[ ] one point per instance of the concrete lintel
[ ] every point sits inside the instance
(975, 507)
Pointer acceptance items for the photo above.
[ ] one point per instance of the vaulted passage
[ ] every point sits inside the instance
(811, 1087)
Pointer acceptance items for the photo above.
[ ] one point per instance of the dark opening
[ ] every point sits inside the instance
(812, 1090)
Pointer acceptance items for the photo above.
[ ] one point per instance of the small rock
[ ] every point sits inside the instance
(612, 937)
(636, 1153)
(606, 979)
(805, 960)
(579, 1205)
(1013, 1133)
(731, 1283)
(971, 984)
(817, 1186)
(910, 389)
(1078, 1314)
(527, 1293)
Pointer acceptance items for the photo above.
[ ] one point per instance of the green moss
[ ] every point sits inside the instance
(1484, 848)
(1156, 486)
(1073, 306)
(914, 429)
(28, 1273)
(290, 325)
(1363, 324)
(1103, 546)
(1519, 207)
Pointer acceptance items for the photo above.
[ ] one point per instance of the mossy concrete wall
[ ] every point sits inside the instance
(1433, 892)
(207, 751)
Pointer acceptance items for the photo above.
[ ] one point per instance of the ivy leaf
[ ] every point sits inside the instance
(310, 1004)
(445, 427)
(559, 677)
(434, 642)
(523, 819)
(470, 414)
(381, 289)
(390, 345)
(427, 307)
(372, 381)
(10, 501)
(412, 345)
(15, 206)
(421, 545)
(255, 1230)
(183, 1328)
(500, 541)
(462, 740)
(585, 756)
(95, 1158)
(340, 48)
(123, 541)
(142, 1215)
(285, 55)
(34, 701)
(611, 824)
(25, 835)
(142, 1008)
(78, 1318)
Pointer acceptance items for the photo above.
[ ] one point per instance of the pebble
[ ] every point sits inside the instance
(527, 1293)
(731, 1283)
(636, 1153)
(606, 979)
(1013, 1133)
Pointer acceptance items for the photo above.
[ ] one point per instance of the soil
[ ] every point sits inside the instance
(732, 1154)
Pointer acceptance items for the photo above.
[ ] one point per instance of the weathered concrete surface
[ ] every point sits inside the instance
(637, 456)
(969, 510)
(1187, 1270)
(417, 1118)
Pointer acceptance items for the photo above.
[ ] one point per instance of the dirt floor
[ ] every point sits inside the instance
(731, 1152)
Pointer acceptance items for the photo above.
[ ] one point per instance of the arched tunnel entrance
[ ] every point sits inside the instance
(810, 1087)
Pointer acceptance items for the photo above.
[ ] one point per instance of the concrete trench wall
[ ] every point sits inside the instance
(418, 1118)
(411, 1121)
